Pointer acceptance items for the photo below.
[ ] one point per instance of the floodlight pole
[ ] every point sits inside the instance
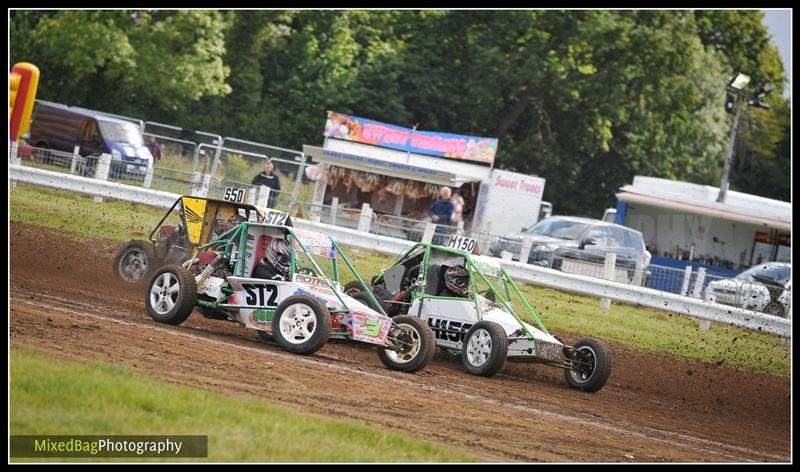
(723, 185)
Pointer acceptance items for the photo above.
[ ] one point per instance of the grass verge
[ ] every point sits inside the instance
(51, 396)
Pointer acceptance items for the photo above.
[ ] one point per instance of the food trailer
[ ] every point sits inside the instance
(399, 171)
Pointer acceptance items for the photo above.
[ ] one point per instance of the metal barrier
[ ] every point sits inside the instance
(591, 286)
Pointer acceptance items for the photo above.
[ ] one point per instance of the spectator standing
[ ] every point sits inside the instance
(155, 148)
(441, 211)
(269, 179)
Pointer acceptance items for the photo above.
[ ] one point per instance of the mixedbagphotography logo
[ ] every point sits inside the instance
(109, 446)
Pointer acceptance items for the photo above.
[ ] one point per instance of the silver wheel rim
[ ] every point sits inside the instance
(298, 323)
(133, 265)
(479, 347)
(406, 357)
(582, 377)
(164, 293)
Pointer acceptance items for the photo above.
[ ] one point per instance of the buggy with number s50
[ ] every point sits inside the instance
(476, 310)
(299, 308)
(189, 223)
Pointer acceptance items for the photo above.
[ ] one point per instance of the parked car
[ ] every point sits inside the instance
(765, 287)
(560, 238)
(61, 128)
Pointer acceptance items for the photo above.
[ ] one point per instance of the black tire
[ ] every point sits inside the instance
(596, 376)
(321, 324)
(352, 287)
(424, 345)
(364, 298)
(158, 297)
(487, 354)
(135, 262)
(774, 308)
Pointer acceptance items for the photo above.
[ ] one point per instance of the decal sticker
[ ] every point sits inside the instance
(194, 210)
(233, 194)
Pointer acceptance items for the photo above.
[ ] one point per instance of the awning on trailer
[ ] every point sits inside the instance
(398, 164)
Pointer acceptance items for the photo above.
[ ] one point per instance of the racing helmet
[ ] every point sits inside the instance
(278, 255)
(456, 279)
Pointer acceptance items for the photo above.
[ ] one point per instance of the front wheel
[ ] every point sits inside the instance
(171, 295)
(416, 342)
(301, 324)
(134, 262)
(485, 348)
(591, 365)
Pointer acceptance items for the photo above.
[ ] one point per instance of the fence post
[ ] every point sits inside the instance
(460, 228)
(687, 274)
(298, 180)
(148, 176)
(365, 221)
(608, 273)
(525, 251)
(334, 209)
(101, 171)
(697, 292)
(638, 273)
(251, 196)
(263, 196)
(704, 325)
(76, 156)
(427, 236)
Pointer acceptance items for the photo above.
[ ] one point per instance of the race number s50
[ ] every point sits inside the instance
(462, 243)
(234, 194)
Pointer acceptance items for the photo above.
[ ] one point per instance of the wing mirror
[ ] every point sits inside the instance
(587, 242)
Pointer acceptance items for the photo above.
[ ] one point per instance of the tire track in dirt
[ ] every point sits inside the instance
(525, 413)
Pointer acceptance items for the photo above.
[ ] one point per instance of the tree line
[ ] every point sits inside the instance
(586, 99)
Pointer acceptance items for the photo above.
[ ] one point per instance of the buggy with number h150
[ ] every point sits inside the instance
(299, 307)
(476, 310)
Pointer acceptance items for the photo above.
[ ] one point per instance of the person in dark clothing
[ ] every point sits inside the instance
(441, 211)
(155, 149)
(269, 179)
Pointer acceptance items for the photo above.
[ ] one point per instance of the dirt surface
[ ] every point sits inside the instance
(655, 407)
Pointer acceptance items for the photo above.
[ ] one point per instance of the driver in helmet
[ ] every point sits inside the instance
(456, 282)
(275, 263)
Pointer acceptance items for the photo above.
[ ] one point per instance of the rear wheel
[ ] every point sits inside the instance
(416, 341)
(592, 362)
(301, 324)
(485, 348)
(353, 287)
(171, 295)
(775, 309)
(134, 262)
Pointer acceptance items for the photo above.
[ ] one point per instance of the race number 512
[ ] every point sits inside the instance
(462, 243)
(234, 194)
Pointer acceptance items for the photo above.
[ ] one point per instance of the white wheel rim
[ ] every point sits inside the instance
(406, 357)
(164, 293)
(298, 323)
(133, 265)
(582, 377)
(479, 347)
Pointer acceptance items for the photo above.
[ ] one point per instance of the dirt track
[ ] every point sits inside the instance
(655, 407)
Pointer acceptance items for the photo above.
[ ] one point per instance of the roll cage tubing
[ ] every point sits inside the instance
(226, 240)
(473, 268)
(183, 215)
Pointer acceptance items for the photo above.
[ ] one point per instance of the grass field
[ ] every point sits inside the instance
(51, 396)
(78, 217)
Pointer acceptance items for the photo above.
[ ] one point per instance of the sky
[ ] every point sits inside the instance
(779, 23)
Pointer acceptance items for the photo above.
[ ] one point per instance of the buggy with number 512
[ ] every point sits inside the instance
(476, 310)
(300, 307)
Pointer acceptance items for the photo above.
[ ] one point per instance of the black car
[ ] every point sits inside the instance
(561, 238)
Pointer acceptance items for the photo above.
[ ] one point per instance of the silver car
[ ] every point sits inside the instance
(766, 288)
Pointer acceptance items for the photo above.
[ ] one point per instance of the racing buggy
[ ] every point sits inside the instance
(189, 223)
(476, 310)
(299, 304)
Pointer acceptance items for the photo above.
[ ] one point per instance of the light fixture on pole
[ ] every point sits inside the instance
(733, 104)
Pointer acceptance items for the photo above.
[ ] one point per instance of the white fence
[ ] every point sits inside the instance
(528, 273)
